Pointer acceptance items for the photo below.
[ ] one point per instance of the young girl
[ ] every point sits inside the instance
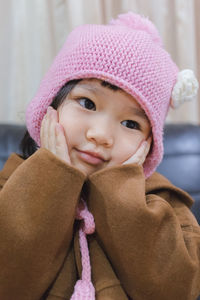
(82, 214)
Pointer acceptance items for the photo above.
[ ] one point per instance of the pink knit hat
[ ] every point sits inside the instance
(128, 53)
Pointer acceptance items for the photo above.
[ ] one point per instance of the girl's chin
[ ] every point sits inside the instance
(86, 168)
(82, 164)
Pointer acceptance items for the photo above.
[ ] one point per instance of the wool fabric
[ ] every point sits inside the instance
(84, 289)
(128, 52)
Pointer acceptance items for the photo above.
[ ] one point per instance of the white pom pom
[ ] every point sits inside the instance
(185, 89)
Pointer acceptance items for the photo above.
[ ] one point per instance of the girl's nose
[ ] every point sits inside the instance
(100, 134)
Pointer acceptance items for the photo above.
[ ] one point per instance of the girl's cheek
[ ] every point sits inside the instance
(126, 148)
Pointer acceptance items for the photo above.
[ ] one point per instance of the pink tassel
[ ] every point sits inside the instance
(84, 289)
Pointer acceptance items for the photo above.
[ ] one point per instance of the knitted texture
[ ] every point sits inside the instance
(128, 53)
(84, 289)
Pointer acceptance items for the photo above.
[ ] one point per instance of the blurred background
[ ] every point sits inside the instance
(33, 31)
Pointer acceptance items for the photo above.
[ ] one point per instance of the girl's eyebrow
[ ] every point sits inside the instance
(86, 88)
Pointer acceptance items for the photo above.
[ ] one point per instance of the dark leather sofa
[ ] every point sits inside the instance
(181, 163)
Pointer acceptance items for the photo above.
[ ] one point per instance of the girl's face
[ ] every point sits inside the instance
(103, 127)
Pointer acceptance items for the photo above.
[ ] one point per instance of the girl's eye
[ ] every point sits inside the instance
(87, 103)
(131, 124)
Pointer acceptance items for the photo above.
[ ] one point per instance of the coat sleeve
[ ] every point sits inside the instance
(37, 209)
(154, 248)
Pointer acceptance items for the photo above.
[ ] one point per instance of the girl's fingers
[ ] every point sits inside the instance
(51, 132)
(140, 155)
(149, 141)
(137, 155)
(61, 144)
(41, 133)
(147, 148)
(44, 132)
(48, 138)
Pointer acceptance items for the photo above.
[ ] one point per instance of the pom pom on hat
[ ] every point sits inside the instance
(185, 89)
(138, 22)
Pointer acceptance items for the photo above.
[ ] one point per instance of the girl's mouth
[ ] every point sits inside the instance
(90, 158)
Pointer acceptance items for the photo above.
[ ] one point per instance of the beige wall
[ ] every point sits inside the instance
(32, 32)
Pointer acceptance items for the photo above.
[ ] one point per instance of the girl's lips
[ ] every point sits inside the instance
(89, 158)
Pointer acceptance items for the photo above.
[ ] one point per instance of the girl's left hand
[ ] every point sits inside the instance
(140, 155)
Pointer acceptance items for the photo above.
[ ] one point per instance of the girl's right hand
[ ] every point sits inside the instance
(52, 135)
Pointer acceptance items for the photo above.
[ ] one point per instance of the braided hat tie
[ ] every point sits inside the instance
(84, 289)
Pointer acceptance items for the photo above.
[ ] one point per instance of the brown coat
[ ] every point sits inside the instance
(146, 244)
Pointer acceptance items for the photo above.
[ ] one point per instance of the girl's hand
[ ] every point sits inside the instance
(52, 135)
(140, 155)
